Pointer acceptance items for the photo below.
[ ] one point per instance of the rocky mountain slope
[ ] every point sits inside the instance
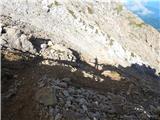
(97, 29)
(67, 60)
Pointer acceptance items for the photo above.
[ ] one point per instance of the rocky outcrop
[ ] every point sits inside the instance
(57, 52)
(15, 39)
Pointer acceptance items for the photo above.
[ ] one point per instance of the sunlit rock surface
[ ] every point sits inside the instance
(97, 29)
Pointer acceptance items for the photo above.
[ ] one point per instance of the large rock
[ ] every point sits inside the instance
(58, 52)
(14, 38)
(46, 96)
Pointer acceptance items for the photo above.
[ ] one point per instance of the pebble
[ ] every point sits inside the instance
(94, 118)
(63, 84)
(66, 80)
(70, 98)
(87, 118)
(65, 92)
(50, 43)
(51, 110)
(84, 107)
(58, 117)
(43, 46)
(82, 101)
(0, 30)
(68, 103)
(71, 89)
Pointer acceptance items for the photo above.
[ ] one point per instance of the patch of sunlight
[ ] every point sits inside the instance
(112, 74)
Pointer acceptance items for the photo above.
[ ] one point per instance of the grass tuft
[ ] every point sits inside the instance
(119, 8)
(90, 11)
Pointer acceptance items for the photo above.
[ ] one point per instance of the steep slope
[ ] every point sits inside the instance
(43, 79)
(97, 29)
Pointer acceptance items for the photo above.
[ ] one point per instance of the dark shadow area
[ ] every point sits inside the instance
(138, 84)
(141, 71)
(36, 42)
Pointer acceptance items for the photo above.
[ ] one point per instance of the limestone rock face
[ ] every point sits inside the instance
(105, 30)
(58, 52)
(14, 38)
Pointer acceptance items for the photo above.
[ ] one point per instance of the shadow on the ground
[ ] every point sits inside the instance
(36, 42)
(137, 82)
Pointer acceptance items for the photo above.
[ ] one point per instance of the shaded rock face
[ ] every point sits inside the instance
(105, 30)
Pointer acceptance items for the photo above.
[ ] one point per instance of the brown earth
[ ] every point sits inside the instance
(25, 71)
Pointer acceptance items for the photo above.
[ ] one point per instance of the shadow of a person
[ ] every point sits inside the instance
(96, 63)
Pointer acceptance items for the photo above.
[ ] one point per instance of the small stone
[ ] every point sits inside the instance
(46, 96)
(70, 98)
(82, 89)
(111, 110)
(97, 115)
(71, 90)
(152, 108)
(65, 92)
(84, 107)
(58, 117)
(56, 82)
(66, 80)
(79, 91)
(96, 102)
(51, 110)
(68, 103)
(158, 108)
(63, 84)
(61, 101)
(158, 111)
(82, 101)
(94, 118)
(56, 109)
(57, 87)
(43, 46)
(0, 31)
(87, 118)
(50, 43)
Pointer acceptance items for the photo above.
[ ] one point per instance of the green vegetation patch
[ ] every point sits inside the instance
(111, 42)
(132, 54)
(137, 24)
(72, 13)
(54, 4)
(90, 10)
(119, 8)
